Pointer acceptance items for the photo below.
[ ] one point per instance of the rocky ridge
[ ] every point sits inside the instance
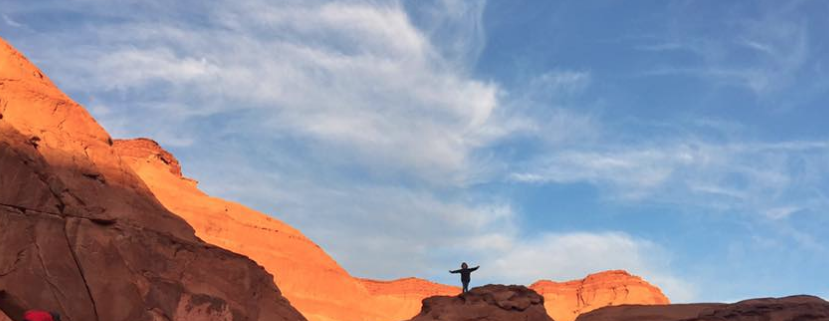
(314, 283)
(84, 236)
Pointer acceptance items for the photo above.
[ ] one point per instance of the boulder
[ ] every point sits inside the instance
(486, 303)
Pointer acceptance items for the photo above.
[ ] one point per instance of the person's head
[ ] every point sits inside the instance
(463, 265)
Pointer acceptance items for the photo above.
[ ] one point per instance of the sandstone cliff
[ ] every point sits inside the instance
(566, 300)
(489, 302)
(84, 236)
(314, 283)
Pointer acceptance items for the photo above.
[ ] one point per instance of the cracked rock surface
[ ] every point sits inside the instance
(487, 303)
(81, 234)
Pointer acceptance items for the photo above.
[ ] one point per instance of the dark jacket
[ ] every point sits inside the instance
(465, 273)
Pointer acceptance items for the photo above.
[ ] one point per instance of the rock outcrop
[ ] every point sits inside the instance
(565, 301)
(647, 312)
(794, 308)
(314, 283)
(83, 235)
(489, 302)
(319, 287)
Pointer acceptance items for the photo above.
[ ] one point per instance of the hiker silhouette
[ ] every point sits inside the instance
(465, 272)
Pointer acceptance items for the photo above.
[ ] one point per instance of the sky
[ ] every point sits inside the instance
(683, 141)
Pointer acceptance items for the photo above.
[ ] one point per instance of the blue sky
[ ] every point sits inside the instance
(684, 141)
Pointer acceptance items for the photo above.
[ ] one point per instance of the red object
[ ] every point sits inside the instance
(37, 315)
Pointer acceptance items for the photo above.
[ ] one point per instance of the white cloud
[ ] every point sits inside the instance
(134, 68)
(780, 46)
(761, 178)
(9, 21)
(356, 77)
(568, 256)
(781, 212)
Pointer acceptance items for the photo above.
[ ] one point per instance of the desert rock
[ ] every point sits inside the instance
(489, 302)
(565, 301)
(83, 235)
(313, 281)
(794, 308)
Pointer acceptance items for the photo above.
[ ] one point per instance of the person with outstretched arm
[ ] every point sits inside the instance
(465, 272)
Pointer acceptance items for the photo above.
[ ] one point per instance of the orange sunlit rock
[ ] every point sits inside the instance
(566, 300)
(82, 234)
(307, 276)
(315, 283)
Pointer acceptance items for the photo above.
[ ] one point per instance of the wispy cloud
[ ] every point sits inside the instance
(566, 256)
(763, 55)
(761, 178)
(9, 21)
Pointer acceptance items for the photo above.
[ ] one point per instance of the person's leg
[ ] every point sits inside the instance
(465, 287)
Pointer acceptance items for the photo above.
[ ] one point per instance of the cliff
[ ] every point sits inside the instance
(314, 283)
(84, 236)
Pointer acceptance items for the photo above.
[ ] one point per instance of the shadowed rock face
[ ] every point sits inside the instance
(490, 302)
(314, 283)
(82, 234)
(794, 308)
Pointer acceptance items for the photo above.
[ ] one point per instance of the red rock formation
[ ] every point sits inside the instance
(315, 283)
(566, 300)
(489, 302)
(84, 236)
(794, 308)
(308, 277)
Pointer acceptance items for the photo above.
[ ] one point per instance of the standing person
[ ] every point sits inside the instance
(465, 272)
